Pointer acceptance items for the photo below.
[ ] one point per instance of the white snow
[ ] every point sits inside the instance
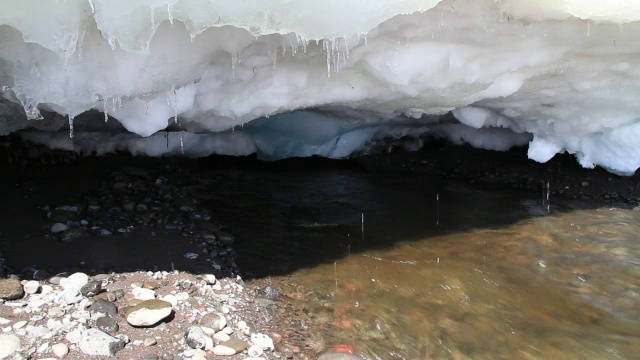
(297, 78)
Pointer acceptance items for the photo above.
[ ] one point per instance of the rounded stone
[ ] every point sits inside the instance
(11, 289)
(91, 288)
(102, 306)
(216, 321)
(74, 282)
(147, 313)
(31, 287)
(107, 324)
(58, 228)
(60, 350)
(9, 344)
(195, 337)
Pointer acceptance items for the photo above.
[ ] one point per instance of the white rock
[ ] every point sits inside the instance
(171, 299)
(74, 337)
(97, 343)
(19, 324)
(199, 354)
(221, 337)
(9, 344)
(46, 289)
(31, 287)
(42, 348)
(74, 282)
(210, 279)
(143, 294)
(255, 351)
(263, 341)
(60, 350)
(148, 312)
(4, 321)
(58, 228)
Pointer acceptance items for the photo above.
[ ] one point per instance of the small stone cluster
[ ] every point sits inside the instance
(140, 315)
(132, 199)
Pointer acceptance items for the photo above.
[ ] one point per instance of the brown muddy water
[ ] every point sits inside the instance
(402, 266)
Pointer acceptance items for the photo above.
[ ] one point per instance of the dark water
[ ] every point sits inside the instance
(398, 266)
(436, 269)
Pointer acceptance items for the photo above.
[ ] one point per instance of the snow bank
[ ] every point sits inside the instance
(297, 78)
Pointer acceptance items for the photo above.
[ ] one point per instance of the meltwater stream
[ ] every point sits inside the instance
(398, 266)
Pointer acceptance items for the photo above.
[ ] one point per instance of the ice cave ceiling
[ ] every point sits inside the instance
(297, 78)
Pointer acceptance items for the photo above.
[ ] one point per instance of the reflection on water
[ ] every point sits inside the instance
(441, 270)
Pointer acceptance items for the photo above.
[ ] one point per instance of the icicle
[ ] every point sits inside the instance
(181, 146)
(326, 49)
(104, 104)
(365, 39)
(153, 19)
(275, 58)
(93, 8)
(588, 28)
(233, 65)
(346, 47)
(70, 127)
(112, 43)
(146, 108)
(170, 12)
(175, 104)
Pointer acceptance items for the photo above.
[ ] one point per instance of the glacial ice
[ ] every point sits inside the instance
(299, 78)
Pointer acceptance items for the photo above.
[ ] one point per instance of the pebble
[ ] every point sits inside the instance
(58, 228)
(31, 287)
(230, 347)
(263, 341)
(9, 344)
(11, 289)
(91, 288)
(60, 350)
(97, 343)
(149, 341)
(107, 324)
(141, 293)
(102, 306)
(147, 313)
(195, 337)
(221, 337)
(255, 351)
(216, 321)
(74, 282)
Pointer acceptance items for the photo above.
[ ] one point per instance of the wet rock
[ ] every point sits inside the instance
(149, 312)
(9, 344)
(338, 356)
(195, 337)
(215, 321)
(97, 343)
(230, 347)
(71, 234)
(102, 306)
(11, 289)
(90, 289)
(58, 228)
(107, 324)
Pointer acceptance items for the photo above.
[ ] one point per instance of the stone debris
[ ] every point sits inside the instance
(154, 315)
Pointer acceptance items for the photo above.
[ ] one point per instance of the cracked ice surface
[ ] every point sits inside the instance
(297, 78)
